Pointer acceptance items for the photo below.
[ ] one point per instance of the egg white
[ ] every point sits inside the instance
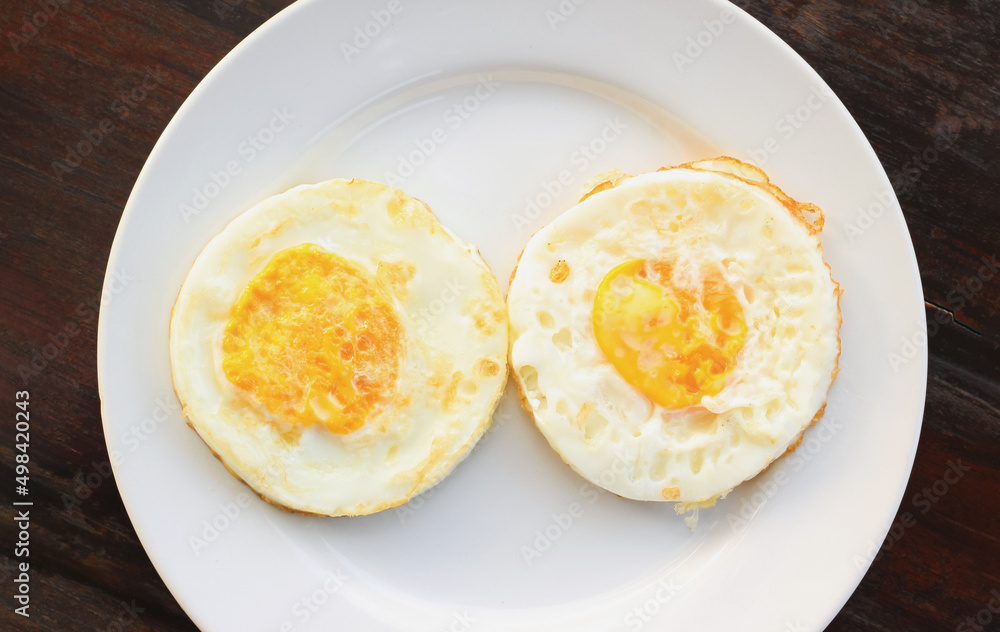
(721, 215)
(451, 374)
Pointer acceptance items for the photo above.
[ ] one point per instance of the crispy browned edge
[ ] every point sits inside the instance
(795, 208)
(389, 505)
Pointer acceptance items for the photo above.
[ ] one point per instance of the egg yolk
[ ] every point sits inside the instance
(675, 344)
(314, 340)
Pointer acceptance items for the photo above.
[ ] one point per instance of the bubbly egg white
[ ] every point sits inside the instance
(452, 368)
(698, 219)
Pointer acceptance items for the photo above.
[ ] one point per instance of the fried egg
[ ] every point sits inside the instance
(675, 332)
(338, 349)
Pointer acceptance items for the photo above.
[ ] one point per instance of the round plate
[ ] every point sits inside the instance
(495, 114)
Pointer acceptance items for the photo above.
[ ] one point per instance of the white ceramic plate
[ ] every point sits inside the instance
(495, 113)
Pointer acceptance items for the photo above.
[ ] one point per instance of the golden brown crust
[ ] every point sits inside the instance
(798, 210)
(559, 272)
(396, 275)
(517, 261)
(486, 368)
(521, 397)
(603, 181)
(484, 318)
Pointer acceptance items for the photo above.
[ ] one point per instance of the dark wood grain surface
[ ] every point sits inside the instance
(921, 77)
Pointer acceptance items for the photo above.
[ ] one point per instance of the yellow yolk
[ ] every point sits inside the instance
(675, 344)
(314, 339)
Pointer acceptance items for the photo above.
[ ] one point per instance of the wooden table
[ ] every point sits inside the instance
(912, 72)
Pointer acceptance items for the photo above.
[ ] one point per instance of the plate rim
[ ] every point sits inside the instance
(276, 22)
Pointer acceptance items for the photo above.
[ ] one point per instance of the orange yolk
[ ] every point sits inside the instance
(314, 340)
(675, 344)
